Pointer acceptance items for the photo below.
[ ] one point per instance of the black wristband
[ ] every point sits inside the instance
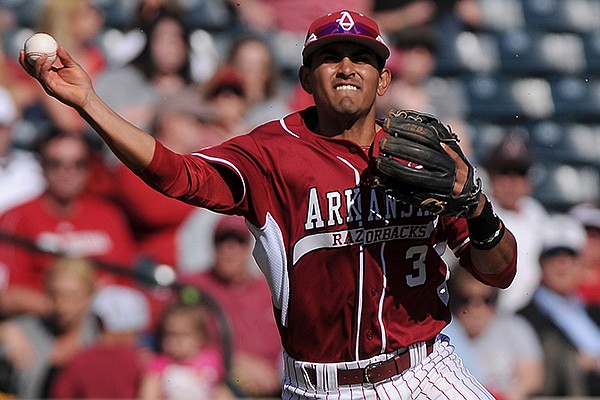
(487, 229)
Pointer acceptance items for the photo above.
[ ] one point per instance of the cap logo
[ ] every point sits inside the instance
(346, 26)
(345, 21)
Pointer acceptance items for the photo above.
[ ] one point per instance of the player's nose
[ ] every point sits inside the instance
(346, 67)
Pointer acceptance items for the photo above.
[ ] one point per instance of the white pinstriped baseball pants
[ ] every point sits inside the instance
(441, 375)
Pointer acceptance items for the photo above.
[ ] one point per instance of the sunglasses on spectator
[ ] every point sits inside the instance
(488, 300)
(55, 164)
(512, 172)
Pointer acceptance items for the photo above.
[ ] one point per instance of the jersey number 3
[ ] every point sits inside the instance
(419, 274)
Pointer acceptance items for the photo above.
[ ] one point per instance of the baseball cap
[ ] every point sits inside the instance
(562, 234)
(226, 78)
(231, 226)
(121, 308)
(344, 26)
(416, 36)
(588, 214)
(512, 154)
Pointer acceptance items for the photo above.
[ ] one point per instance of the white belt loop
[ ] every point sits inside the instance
(326, 376)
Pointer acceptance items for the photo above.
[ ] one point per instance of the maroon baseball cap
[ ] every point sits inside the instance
(345, 26)
(231, 226)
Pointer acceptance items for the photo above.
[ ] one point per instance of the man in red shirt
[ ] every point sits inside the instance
(357, 279)
(64, 219)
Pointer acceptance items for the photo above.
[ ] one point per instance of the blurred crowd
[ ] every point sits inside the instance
(111, 290)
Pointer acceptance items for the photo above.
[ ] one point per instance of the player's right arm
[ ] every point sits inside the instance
(71, 85)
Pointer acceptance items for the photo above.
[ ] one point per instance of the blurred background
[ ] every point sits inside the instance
(517, 80)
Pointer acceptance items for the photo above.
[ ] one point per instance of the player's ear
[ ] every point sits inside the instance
(304, 76)
(385, 78)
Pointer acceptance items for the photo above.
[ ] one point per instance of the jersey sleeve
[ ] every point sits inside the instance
(457, 236)
(218, 178)
(192, 179)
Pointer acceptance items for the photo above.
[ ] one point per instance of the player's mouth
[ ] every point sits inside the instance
(346, 87)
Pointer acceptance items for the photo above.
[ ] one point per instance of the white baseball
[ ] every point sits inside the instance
(38, 45)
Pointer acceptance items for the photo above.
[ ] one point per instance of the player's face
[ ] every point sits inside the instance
(345, 78)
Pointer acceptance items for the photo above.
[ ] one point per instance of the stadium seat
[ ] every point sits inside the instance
(525, 52)
(562, 15)
(13, 39)
(508, 100)
(467, 52)
(573, 143)
(591, 46)
(576, 98)
(560, 186)
(502, 15)
(118, 14)
(27, 13)
(209, 15)
(484, 136)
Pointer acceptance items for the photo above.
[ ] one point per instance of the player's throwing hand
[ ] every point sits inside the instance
(68, 83)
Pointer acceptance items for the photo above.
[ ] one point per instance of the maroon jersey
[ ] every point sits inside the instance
(352, 272)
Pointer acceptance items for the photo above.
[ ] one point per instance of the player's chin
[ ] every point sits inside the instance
(348, 106)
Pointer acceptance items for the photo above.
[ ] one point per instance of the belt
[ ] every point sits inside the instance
(374, 372)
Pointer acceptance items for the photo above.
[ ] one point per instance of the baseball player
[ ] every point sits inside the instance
(357, 278)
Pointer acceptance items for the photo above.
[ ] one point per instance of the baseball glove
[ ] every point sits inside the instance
(410, 164)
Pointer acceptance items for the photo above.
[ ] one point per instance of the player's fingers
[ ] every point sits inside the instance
(25, 64)
(462, 170)
(64, 57)
(43, 65)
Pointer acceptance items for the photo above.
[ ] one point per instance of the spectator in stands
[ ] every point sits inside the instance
(165, 60)
(508, 167)
(568, 329)
(65, 220)
(589, 216)
(245, 299)
(111, 367)
(416, 88)
(285, 22)
(225, 93)
(183, 125)
(38, 347)
(397, 15)
(253, 57)
(506, 349)
(12, 77)
(75, 24)
(21, 176)
(188, 366)
(160, 71)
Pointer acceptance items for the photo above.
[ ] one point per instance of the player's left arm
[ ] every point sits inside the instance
(493, 247)
(497, 252)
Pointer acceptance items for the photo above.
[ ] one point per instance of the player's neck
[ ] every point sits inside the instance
(360, 131)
